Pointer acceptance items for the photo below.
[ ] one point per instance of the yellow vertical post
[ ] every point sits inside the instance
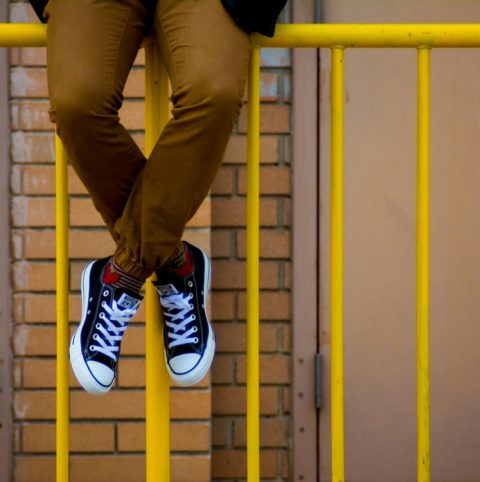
(253, 269)
(423, 350)
(336, 265)
(157, 378)
(61, 233)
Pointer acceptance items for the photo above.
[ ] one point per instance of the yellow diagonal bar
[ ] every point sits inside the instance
(157, 378)
(423, 350)
(61, 233)
(253, 269)
(336, 266)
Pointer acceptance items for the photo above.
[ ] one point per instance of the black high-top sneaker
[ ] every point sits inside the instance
(106, 311)
(189, 338)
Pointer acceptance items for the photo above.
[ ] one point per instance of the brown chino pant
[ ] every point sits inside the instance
(91, 46)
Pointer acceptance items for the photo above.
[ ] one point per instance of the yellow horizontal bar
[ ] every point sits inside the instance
(373, 35)
(22, 35)
(310, 35)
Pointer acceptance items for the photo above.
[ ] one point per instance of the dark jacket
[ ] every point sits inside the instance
(250, 15)
(255, 15)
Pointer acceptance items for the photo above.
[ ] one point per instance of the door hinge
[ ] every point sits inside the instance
(318, 381)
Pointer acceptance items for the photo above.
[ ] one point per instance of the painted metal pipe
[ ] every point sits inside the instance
(422, 272)
(336, 265)
(253, 269)
(157, 379)
(62, 331)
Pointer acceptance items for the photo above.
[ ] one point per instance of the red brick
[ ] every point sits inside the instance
(184, 437)
(233, 464)
(38, 276)
(98, 437)
(236, 152)
(223, 305)
(99, 468)
(203, 217)
(223, 369)
(131, 372)
(40, 308)
(30, 147)
(273, 305)
(221, 243)
(232, 274)
(37, 468)
(274, 369)
(81, 244)
(220, 431)
(232, 212)
(274, 119)
(231, 337)
(273, 180)
(30, 115)
(132, 115)
(231, 400)
(33, 340)
(83, 213)
(274, 432)
(130, 404)
(39, 373)
(33, 212)
(273, 244)
(33, 56)
(193, 469)
(28, 405)
(28, 82)
(135, 85)
(225, 181)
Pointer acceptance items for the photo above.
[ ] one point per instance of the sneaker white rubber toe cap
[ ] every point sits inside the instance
(182, 364)
(101, 373)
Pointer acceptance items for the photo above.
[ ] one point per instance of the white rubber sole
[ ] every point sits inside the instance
(201, 370)
(77, 362)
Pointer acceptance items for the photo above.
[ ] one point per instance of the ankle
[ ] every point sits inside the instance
(115, 276)
(180, 262)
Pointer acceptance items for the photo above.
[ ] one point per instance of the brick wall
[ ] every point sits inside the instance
(107, 433)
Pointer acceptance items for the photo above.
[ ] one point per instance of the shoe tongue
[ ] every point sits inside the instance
(128, 302)
(166, 290)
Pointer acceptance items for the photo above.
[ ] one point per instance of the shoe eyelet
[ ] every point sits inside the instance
(190, 296)
(195, 340)
(194, 317)
(190, 284)
(95, 337)
(195, 329)
(97, 326)
(190, 306)
(91, 347)
(105, 293)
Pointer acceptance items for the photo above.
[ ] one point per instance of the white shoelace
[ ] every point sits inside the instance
(176, 308)
(111, 334)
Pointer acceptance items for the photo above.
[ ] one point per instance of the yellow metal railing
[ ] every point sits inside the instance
(338, 38)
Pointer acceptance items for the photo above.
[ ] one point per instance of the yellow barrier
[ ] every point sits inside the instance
(336, 37)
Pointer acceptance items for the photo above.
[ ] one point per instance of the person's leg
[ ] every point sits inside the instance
(206, 56)
(91, 46)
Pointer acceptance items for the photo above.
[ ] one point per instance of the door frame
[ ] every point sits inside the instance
(305, 154)
(6, 439)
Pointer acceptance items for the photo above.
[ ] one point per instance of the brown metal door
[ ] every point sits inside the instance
(380, 145)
